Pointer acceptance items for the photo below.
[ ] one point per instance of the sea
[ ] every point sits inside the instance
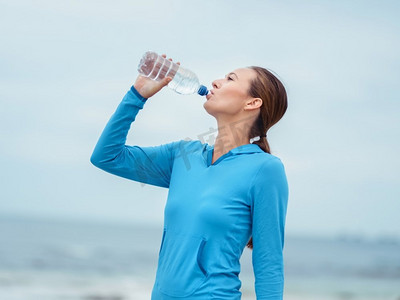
(56, 259)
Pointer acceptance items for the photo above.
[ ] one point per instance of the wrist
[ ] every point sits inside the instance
(138, 94)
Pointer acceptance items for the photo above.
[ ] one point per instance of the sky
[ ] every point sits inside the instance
(65, 67)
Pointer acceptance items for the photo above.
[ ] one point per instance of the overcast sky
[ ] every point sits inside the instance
(65, 66)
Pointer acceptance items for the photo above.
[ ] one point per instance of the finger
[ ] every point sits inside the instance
(165, 81)
(164, 55)
(178, 63)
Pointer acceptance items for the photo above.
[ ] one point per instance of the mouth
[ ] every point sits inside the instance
(211, 93)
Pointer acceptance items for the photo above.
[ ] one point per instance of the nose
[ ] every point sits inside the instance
(216, 84)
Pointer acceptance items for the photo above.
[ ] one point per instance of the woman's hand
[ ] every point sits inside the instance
(148, 87)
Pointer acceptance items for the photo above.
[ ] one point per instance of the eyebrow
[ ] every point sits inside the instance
(231, 73)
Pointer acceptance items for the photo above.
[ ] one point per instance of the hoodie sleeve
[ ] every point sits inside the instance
(151, 165)
(269, 194)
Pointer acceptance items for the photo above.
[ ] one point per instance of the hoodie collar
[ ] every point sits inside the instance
(243, 149)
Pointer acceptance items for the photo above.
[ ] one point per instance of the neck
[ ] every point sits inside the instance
(231, 135)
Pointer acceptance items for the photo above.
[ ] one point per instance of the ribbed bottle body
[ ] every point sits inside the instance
(157, 68)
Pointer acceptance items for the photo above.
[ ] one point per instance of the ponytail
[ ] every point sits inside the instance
(267, 87)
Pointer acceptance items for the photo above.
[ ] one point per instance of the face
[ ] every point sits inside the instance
(229, 96)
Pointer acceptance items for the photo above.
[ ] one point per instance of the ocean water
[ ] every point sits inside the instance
(49, 260)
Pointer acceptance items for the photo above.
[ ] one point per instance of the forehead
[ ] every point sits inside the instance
(245, 74)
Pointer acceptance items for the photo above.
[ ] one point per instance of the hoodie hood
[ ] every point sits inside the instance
(208, 151)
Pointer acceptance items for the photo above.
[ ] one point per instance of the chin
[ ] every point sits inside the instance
(215, 109)
(208, 107)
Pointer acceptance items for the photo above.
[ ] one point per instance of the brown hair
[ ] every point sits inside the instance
(273, 94)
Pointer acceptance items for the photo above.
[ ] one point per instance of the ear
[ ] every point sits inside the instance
(253, 103)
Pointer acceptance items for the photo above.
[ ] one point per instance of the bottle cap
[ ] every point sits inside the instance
(202, 90)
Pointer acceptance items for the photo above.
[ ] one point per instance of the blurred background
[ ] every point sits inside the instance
(71, 231)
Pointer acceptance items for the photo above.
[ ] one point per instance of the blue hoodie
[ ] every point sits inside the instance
(211, 212)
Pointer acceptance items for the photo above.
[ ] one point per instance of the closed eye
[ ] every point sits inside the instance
(229, 76)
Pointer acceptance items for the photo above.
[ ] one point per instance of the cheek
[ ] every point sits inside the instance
(234, 95)
(233, 101)
(227, 101)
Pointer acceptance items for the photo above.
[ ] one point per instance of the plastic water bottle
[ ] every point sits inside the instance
(183, 81)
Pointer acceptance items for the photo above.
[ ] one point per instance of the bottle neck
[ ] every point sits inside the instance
(203, 91)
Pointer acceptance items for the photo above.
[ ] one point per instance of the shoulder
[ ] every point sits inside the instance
(270, 169)
(191, 145)
(184, 147)
(269, 163)
(270, 182)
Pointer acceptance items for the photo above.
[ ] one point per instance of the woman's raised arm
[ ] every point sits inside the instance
(152, 165)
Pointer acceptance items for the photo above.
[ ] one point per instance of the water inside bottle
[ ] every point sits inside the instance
(184, 82)
(156, 67)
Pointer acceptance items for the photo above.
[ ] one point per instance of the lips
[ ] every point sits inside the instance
(211, 93)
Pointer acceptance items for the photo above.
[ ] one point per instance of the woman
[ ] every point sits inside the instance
(221, 197)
